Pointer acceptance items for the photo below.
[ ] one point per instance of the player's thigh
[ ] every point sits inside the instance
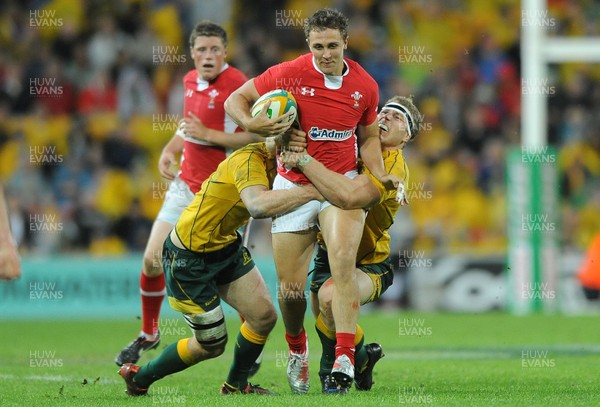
(369, 288)
(292, 253)
(250, 297)
(366, 287)
(177, 198)
(153, 252)
(379, 277)
(314, 304)
(342, 231)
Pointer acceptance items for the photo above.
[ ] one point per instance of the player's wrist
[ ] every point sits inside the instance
(303, 161)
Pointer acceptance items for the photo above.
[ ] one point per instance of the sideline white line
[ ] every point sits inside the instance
(56, 378)
(482, 353)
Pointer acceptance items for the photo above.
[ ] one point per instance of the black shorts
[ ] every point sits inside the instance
(192, 278)
(382, 274)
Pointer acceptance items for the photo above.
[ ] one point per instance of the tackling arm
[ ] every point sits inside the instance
(338, 189)
(264, 203)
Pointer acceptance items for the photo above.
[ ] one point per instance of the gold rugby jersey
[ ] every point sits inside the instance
(375, 242)
(211, 220)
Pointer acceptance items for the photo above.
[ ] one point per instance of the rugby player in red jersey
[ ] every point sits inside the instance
(202, 137)
(337, 103)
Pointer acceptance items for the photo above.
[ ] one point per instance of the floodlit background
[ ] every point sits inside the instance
(90, 91)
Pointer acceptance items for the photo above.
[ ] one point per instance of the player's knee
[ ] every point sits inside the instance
(325, 297)
(269, 319)
(342, 258)
(209, 330)
(263, 320)
(152, 264)
(214, 351)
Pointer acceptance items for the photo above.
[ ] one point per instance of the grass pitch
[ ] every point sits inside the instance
(431, 360)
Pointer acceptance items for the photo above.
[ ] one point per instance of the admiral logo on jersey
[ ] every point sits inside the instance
(316, 133)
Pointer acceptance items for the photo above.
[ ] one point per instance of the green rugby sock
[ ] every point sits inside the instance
(172, 360)
(328, 341)
(360, 353)
(248, 346)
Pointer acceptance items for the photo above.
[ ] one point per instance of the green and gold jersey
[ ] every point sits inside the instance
(211, 220)
(375, 242)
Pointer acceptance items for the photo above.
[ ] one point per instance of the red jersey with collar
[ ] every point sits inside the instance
(205, 100)
(329, 109)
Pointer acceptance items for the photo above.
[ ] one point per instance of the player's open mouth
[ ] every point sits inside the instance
(382, 126)
(208, 66)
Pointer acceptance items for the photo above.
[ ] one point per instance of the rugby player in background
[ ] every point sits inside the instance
(202, 138)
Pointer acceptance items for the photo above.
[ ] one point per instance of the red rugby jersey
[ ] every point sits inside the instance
(205, 100)
(329, 108)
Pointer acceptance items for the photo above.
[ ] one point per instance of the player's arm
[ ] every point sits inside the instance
(194, 128)
(370, 152)
(238, 106)
(168, 155)
(264, 203)
(338, 189)
(293, 139)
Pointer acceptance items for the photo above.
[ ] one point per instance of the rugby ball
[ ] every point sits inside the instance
(282, 102)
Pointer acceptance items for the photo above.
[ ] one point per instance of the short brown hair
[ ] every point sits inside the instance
(417, 117)
(327, 18)
(207, 28)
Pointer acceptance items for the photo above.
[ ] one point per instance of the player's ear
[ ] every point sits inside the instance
(346, 43)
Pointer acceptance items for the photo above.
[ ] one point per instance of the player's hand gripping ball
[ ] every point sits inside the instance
(282, 102)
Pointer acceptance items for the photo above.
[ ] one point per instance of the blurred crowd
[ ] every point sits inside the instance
(90, 91)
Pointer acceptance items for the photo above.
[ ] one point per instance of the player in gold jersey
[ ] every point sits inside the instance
(399, 122)
(205, 261)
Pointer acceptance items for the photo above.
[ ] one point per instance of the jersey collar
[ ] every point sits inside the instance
(332, 81)
(202, 84)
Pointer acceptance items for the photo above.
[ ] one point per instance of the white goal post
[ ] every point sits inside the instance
(532, 172)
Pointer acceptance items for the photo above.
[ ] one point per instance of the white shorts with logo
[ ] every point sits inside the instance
(177, 198)
(303, 217)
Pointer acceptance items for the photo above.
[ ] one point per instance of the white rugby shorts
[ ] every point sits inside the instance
(303, 217)
(177, 198)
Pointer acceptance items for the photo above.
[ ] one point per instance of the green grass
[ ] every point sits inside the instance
(431, 360)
